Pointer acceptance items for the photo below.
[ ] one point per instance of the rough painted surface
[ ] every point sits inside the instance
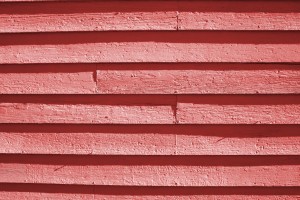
(189, 113)
(198, 82)
(186, 113)
(150, 139)
(238, 21)
(148, 21)
(47, 83)
(89, 22)
(149, 52)
(149, 99)
(85, 114)
(145, 175)
(146, 144)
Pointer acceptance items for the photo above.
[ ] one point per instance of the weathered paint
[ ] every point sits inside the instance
(134, 52)
(149, 99)
(198, 81)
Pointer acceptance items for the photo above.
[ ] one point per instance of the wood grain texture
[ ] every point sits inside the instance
(145, 175)
(190, 113)
(187, 113)
(85, 114)
(238, 21)
(88, 22)
(149, 99)
(148, 21)
(47, 83)
(135, 143)
(198, 81)
(63, 196)
(132, 52)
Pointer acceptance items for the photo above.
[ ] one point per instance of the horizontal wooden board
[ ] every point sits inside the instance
(145, 175)
(149, 143)
(187, 113)
(88, 22)
(110, 21)
(190, 113)
(47, 83)
(198, 81)
(63, 196)
(149, 52)
(238, 21)
(85, 114)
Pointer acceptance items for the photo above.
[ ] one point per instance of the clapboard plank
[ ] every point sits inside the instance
(47, 83)
(76, 196)
(186, 114)
(139, 143)
(198, 81)
(238, 21)
(153, 82)
(145, 175)
(88, 22)
(85, 114)
(148, 21)
(190, 113)
(149, 52)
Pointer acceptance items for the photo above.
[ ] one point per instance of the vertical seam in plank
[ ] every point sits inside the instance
(95, 78)
(177, 15)
(175, 109)
(177, 20)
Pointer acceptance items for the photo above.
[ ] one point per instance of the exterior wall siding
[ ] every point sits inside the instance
(150, 99)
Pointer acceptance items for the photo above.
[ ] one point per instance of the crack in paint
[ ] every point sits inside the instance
(174, 109)
(95, 79)
(177, 20)
(59, 168)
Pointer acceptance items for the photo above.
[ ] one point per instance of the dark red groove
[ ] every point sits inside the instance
(141, 191)
(148, 6)
(233, 131)
(220, 37)
(88, 67)
(150, 160)
(152, 99)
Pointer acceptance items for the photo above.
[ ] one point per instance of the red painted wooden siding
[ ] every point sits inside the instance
(150, 99)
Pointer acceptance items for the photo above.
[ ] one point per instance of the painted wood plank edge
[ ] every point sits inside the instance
(238, 21)
(150, 52)
(145, 144)
(63, 196)
(185, 113)
(153, 82)
(151, 175)
(48, 83)
(198, 81)
(148, 21)
(88, 22)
